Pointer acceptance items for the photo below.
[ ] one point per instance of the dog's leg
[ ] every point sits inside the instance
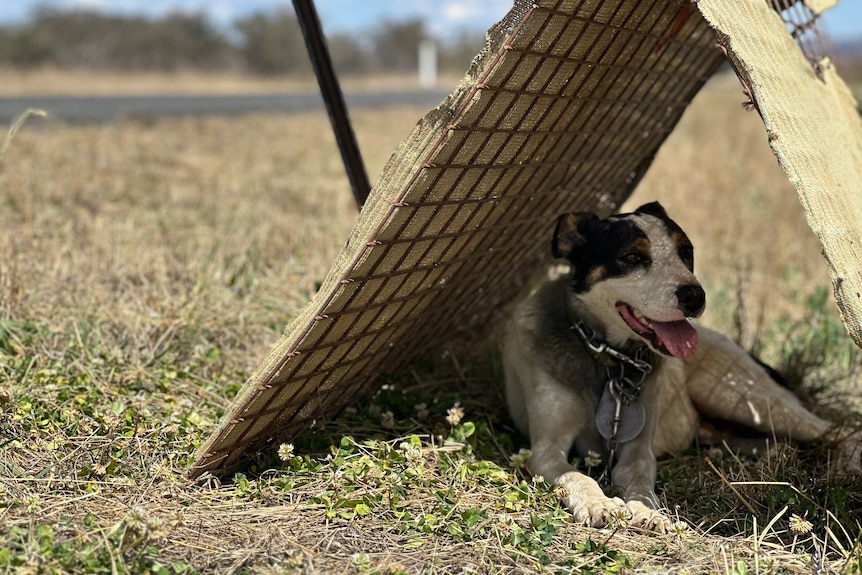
(725, 383)
(557, 416)
(635, 469)
(635, 473)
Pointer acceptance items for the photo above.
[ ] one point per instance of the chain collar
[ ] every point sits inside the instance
(626, 379)
(627, 374)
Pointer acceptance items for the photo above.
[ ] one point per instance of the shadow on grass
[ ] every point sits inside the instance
(712, 489)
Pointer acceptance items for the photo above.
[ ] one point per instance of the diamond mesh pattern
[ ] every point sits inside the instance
(564, 109)
(801, 22)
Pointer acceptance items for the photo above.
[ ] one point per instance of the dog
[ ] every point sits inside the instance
(604, 359)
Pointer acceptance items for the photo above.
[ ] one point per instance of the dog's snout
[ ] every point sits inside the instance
(691, 299)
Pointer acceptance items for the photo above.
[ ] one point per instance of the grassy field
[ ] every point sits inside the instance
(146, 268)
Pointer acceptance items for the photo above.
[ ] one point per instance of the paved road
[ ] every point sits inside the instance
(105, 108)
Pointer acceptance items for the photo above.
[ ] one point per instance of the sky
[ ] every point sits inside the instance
(842, 22)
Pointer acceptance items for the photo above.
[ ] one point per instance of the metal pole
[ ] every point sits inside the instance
(333, 98)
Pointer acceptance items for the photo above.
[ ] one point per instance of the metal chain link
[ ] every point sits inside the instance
(622, 388)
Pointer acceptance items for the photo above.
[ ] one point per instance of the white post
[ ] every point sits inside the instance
(427, 63)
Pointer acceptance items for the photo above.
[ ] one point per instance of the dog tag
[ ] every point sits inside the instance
(632, 417)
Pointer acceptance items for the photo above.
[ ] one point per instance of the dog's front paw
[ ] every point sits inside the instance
(599, 511)
(585, 499)
(647, 518)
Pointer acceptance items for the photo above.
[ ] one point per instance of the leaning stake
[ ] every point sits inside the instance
(334, 99)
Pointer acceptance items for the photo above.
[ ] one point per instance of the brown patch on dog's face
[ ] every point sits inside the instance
(596, 275)
(641, 247)
(627, 260)
(684, 247)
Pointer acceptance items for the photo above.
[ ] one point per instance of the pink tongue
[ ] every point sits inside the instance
(679, 337)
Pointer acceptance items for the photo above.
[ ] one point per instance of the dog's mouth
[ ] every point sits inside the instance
(675, 338)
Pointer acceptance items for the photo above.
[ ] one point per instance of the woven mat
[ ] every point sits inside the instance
(564, 109)
(815, 130)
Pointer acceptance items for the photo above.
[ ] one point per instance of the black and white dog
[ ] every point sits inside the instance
(604, 360)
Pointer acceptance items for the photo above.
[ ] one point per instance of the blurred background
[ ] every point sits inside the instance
(261, 39)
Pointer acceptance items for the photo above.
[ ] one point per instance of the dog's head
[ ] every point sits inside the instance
(635, 274)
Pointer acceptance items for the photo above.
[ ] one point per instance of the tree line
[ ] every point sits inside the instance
(264, 44)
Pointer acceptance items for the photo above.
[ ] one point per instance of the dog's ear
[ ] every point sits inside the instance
(653, 209)
(569, 233)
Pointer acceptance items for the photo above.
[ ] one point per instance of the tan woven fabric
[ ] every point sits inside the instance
(564, 109)
(815, 131)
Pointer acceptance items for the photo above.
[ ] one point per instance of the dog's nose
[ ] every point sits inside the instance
(691, 299)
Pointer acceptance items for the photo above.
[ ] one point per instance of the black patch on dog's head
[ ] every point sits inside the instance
(599, 249)
(653, 209)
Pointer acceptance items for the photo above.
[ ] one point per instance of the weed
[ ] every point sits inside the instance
(17, 124)
(816, 352)
(15, 336)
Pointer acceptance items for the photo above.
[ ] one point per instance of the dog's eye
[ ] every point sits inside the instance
(686, 253)
(635, 259)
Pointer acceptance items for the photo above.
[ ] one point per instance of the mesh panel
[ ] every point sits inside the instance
(801, 22)
(563, 110)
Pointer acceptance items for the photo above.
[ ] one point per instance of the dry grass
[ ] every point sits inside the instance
(147, 267)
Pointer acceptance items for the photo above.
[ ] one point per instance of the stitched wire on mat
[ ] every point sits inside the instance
(568, 116)
(801, 22)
